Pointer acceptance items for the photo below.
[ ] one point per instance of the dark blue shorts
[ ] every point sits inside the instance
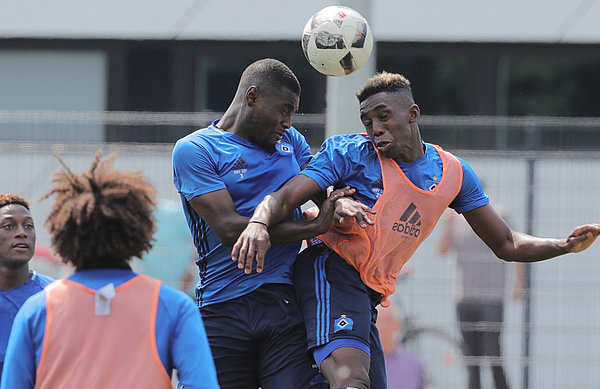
(257, 340)
(338, 307)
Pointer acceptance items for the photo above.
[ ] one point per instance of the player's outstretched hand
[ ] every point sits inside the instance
(254, 239)
(582, 237)
(347, 208)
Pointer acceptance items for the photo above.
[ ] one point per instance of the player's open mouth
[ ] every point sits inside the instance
(20, 247)
(383, 145)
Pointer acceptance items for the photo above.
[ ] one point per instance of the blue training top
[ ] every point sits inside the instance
(10, 302)
(210, 159)
(352, 160)
(180, 336)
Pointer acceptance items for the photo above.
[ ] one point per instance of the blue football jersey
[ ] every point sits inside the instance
(352, 160)
(211, 159)
(10, 302)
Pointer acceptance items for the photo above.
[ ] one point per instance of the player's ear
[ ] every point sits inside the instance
(251, 95)
(414, 113)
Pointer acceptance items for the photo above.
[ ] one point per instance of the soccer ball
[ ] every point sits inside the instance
(337, 41)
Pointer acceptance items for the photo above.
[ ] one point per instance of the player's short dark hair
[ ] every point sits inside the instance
(11, 198)
(101, 218)
(385, 82)
(270, 73)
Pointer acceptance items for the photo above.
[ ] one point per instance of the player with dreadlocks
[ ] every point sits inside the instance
(105, 326)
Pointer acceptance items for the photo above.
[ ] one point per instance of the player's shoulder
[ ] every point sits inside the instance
(465, 166)
(433, 149)
(292, 133)
(34, 305)
(203, 135)
(434, 152)
(351, 144)
(354, 139)
(300, 147)
(41, 280)
(33, 285)
(202, 141)
(174, 297)
(173, 304)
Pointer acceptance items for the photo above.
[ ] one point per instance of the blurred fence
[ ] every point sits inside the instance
(548, 188)
(459, 132)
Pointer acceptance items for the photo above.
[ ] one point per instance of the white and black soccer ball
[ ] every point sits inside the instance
(337, 41)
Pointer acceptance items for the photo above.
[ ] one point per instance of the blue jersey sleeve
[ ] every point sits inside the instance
(194, 171)
(301, 148)
(330, 164)
(179, 329)
(25, 344)
(471, 194)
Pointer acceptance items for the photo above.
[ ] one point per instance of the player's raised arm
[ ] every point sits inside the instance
(512, 245)
(292, 194)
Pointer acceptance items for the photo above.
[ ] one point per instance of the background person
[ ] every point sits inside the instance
(482, 282)
(106, 326)
(17, 245)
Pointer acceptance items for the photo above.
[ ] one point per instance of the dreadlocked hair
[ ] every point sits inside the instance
(11, 198)
(101, 218)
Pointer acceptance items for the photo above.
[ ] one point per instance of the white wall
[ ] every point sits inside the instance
(53, 80)
(425, 20)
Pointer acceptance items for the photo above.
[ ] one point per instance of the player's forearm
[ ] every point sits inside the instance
(526, 248)
(294, 231)
(229, 229)
(271, 210)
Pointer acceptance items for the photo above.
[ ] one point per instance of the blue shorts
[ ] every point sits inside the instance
(257, 340)
(339, 309)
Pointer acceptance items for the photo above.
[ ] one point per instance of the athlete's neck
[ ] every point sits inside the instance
(234, 119)
(13, 277)
(411, 154)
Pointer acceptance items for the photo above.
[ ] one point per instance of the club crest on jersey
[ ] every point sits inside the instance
(432, 183)
(284, 149)
(343, 323)
(409, 222)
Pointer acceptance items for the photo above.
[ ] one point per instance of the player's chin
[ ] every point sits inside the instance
(387, 153)
(390, 151)
(18, 260)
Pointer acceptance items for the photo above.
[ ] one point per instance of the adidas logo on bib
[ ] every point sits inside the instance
(409, 222)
